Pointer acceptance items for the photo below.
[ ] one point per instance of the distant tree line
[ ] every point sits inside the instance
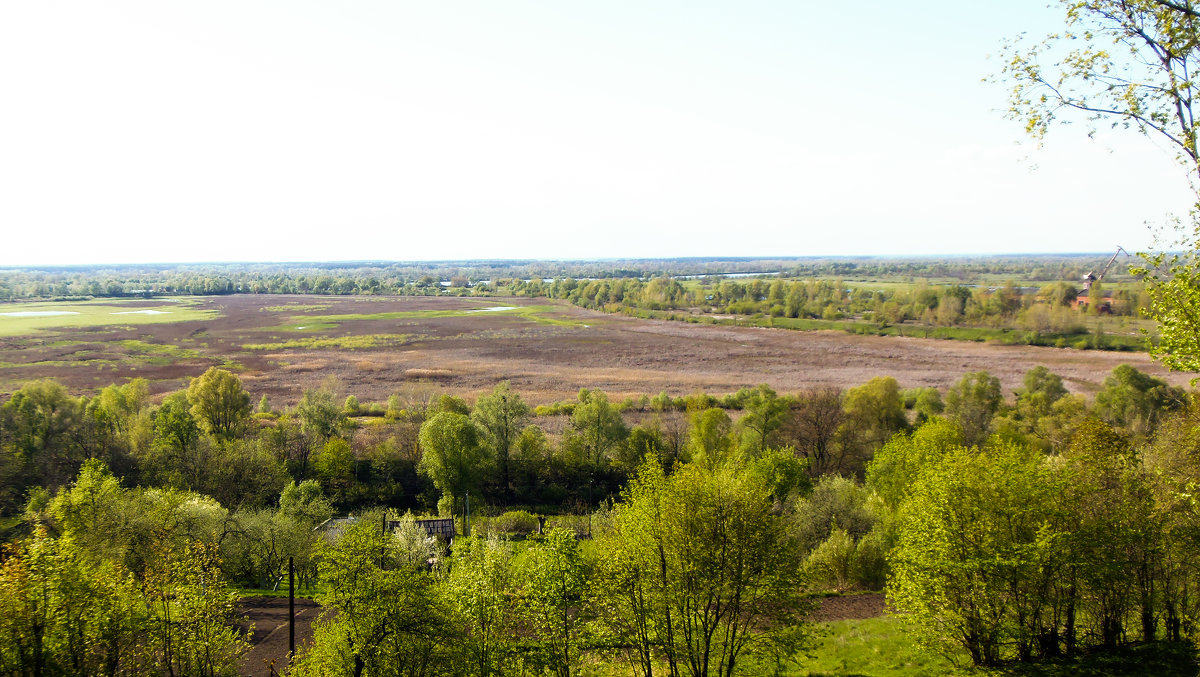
(481, 276)
(1050, 309)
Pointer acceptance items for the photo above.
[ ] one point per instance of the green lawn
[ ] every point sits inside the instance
(878, 647)
(20, 319)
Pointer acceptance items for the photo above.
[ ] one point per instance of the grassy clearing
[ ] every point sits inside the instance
(304, 327)
(281, 591)
(134, 352)
(878, 647)
(881, 647)
(98, 362)
(92, 314)
(158, 353)
(295, 308)
(360, 342)
(541, 314)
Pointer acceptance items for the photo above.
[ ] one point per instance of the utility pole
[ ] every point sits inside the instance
(291, 609)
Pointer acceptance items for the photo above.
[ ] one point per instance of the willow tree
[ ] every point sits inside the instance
(452, 456)
(219, 403)
(500, 416)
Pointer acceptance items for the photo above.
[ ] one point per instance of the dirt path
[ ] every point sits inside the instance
(269, 644)
(849, 607)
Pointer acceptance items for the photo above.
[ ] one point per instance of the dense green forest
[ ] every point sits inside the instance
(683, 535)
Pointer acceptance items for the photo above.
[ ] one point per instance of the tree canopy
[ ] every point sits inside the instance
(219, 402)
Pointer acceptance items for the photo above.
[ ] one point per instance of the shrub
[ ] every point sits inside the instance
(517, 522)
(831, 564)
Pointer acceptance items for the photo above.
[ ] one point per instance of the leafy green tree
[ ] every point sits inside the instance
(305, 502)
(93, 513)
(698, 573)
(389, 464)
(241, 473)
(710, 438)
(394, 406)
(63, 614)
(382, 616)
(219, 403)
(977, 552)
(479, 588)
(900, 463)
(179, 453)
(764, 414)
(927, 402)
(1128, 63)
(119, 405)
(38, 425)
(835, 502)
(553, 585)
(1172, 464)
(449, 403)
(1062, 294)
(596, 427)
(1173, 284)
(1113, 529)
(972, 403)
(500, 415)
(320, 416)
(1042, 388)
(192, 611)
(832, 563)
(286, 441)
(1134, 400)
(783, 473)
(452, 456)
(1043, 415)
(874, 412)
(334, 466)
(642, 440)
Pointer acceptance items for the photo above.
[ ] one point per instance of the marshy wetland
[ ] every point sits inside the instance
(281, 345)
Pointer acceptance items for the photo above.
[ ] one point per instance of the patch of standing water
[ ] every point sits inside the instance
(39, 313)
(143, 312)
(493, 309)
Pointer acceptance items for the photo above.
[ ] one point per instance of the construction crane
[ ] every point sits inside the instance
(1091, 278)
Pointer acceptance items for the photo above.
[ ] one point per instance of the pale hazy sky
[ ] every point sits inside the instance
(303, 130)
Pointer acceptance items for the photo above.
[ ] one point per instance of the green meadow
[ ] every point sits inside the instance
(19, 319)
(542, 314)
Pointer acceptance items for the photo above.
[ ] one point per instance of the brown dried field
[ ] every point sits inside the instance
(375, 346)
